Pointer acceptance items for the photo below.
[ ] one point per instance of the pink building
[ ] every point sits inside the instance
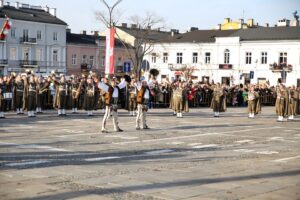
(87, 53)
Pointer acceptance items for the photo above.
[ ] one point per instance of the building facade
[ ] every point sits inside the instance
(258, 55)
(87, 53)
(36, 41)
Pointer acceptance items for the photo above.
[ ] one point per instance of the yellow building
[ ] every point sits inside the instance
(228, 24)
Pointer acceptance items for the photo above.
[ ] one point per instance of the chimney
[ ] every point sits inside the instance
(68, 30)
(241, 23)
(267, 24)
(95, 33)
(53, 11)
(17, 5)
(193, 29)
(124, 25)
(47, 9)
(226, 20)
(133, 25)
(250, 22)
(219, 27)
(1, 3)
(83, 32)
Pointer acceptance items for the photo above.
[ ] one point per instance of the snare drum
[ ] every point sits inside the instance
(7, 95)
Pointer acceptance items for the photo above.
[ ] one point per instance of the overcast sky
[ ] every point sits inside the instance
(178, 14)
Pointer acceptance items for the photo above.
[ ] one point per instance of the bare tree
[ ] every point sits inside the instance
(146, 34)
(108, 19)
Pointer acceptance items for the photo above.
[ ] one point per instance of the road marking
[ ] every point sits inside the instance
(77, 135)
(121, 137)
(33, 146)
(205, 146)
(286, 159)
(267, 152)
(244, 150)
(102, 158)
(276, 138)
(159, 152)
(194, 144)
(226, 133)
(175, 143)
(37, 162)
(244, 141)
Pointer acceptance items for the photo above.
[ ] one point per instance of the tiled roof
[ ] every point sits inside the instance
(30, 14)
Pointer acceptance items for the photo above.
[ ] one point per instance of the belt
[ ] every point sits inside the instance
(20, 90)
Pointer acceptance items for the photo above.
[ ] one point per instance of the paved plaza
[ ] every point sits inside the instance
(196, 157)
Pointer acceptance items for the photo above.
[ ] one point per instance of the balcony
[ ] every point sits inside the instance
(28, 63)
(3, 62)
(225, 66)
(27, 40)
(281, 67)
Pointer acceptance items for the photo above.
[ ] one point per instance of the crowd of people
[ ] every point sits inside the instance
(31, 93)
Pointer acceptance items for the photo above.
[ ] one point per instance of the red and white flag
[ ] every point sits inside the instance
(109, 57)
(6, 27)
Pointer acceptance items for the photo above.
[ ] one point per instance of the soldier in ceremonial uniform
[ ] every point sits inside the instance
(218, 102)
(60, 99)
(111, 102)
(143, 95)
(89, 97)
(180, 103)
(282, 102)
(18, 93)
(75, 92)
(293, 102)
(253, 102)
(30, 96)
(2, 100)
(42, 91)
(132, 97)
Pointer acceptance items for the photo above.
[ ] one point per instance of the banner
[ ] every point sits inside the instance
(109, 57)
(6, 27)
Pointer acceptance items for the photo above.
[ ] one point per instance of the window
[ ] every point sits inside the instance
(13, 53)
(226, 56)
(55, 36)
(13, 32)
(84, 59)
(153, 58)
(264, 58)
(207, 58)
(26, 51)
(283, 58)
(39, 54)
(248, 58)
(39, 35)
(195, 57)
(179, 58)
(165, 58)
(55, 55)
(92, 60)
(25, 35)
(103, 61)
(119, 61)
(74, 59)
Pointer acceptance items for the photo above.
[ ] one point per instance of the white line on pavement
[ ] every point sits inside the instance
(37, 162)
(227, 133)
(102, 158)
(33, 146)
(159, 152)
(205, 146)
(286, 159)
(244, 141)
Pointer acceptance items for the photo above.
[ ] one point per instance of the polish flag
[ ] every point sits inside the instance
(5, 29)
(109, 57)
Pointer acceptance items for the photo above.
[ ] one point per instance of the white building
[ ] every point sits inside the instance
(37, 40)
(232, 56)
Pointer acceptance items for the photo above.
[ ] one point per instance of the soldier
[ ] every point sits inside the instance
(18, 93)
(30, 96)
(253, 102)
(89, 97)
(143, 95)
(132, 98)
(218, 102)
(2, 100)
(111, 102)
(60, 99)
(42, 90)
(180, 103)
(293, 101)
(281, 102)
(75, 92)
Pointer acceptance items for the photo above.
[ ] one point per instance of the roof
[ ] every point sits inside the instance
(89, 39)
(269, 33)
(149, 34)
(250, 34)
(30, 14)
(200, 36)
